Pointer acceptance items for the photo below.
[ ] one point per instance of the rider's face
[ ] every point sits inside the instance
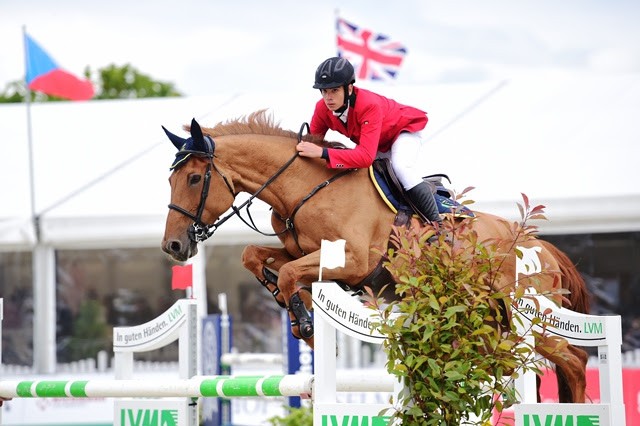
(334, 97)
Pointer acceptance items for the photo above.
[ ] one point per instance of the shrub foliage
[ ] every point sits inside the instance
(448, 338)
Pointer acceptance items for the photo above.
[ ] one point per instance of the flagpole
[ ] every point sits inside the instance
(336, 12)
(42, 265)
(32, 191)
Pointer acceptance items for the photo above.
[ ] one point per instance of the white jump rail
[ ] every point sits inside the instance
(200, 386)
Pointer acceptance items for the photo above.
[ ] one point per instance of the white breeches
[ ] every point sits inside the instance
(406, 159)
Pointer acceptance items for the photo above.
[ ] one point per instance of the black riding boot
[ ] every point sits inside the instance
(423, 199)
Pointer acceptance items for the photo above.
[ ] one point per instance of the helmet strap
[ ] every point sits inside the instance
(348, 98)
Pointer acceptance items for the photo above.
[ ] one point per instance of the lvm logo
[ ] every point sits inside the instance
(340, 420)
(593, 327)
(560, 420)
(148, 417)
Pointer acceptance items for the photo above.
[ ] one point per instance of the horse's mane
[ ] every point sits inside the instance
(257, 123)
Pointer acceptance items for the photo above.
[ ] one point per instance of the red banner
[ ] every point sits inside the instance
(630, 388)
(182, 277)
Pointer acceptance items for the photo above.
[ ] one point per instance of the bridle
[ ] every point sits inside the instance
(200, 231)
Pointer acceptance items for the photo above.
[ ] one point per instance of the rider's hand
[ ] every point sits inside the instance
(308, 149)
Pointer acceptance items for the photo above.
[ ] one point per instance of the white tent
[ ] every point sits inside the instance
(100, 167)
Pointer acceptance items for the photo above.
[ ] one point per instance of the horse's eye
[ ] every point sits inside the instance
(194, 179)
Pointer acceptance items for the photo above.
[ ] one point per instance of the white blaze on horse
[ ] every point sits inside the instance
(310, 203)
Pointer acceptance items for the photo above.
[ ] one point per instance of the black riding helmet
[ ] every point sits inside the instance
(334, 72)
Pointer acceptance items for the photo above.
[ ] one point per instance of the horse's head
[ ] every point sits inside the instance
(200, 193)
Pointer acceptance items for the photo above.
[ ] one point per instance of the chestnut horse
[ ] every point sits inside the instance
(311, 202)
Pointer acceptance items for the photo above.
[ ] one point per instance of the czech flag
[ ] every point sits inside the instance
(44, 75)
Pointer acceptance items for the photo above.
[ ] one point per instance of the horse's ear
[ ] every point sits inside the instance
(177, 141)
(196, 135)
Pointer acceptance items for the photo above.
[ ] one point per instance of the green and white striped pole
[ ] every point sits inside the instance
(205, 386)
(200, 386)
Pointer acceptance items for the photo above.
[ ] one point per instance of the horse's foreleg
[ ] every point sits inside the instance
(298, 298)
(261, 261)
(305, 270)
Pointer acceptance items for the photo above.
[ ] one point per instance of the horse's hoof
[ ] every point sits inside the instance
(306, 331)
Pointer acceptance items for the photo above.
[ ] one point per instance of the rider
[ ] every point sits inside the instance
(380, 127)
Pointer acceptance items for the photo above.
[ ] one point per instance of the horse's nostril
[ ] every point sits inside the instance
(175, 246)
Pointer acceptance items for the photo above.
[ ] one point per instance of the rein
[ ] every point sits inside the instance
(199, 231)
(208, 230)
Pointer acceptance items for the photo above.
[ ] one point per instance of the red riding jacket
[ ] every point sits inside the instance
(373, 123)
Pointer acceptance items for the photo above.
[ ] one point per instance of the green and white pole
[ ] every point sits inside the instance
(202, 386)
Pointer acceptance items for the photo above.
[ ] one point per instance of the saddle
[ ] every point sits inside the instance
(394, 195)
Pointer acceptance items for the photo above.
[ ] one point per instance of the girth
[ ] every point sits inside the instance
(288, 222)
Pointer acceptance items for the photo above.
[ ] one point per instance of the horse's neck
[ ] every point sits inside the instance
(256, 159)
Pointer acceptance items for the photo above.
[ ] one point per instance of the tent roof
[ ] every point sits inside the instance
(100, 167)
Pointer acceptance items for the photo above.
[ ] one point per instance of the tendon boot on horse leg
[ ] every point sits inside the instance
(262, 262)
(300, 316)
(270, 283)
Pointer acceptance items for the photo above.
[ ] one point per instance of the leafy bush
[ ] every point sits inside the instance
(302, 416)
(447, 337)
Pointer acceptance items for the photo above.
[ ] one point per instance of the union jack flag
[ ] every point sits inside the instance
(374, 56)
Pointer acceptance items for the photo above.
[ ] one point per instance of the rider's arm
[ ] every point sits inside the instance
(369, 127)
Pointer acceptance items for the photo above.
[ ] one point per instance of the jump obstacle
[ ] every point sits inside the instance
(177, 323)
(334, 310)
(603, 332)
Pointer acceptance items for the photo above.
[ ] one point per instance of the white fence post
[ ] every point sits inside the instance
(177, 322)
(335, 310)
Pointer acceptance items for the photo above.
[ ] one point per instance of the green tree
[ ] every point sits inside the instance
(126, 82)
(16, 91)
(110, 82)
(90, 332)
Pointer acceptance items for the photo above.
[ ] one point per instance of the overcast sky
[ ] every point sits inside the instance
(205, 47)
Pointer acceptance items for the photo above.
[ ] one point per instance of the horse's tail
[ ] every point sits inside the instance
(571, 280)
(579, 299)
